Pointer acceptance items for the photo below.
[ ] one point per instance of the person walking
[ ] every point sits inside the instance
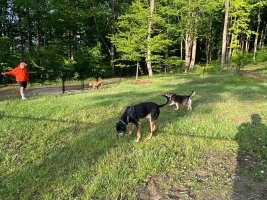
(22, 77)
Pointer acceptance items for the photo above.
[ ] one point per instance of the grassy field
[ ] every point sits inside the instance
(66, 147)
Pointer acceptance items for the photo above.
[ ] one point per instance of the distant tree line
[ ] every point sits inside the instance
(84, 36)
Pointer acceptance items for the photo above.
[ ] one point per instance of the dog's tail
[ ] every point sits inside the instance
(192, 94)
(167, 101)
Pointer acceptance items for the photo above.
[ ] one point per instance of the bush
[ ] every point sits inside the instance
(240, 59)
(175, 64)
(261, 55)
(212, 67)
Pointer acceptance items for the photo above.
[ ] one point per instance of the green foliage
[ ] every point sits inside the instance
(89, 58)
(7, 59)
(241, 59)
(47, 34)
(130, 41)
(47, 59)
(174, 64)
(261, 55)
(212, 67)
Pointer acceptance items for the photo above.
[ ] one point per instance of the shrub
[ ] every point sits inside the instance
(212, 67)
(261, 55)
(240, 59)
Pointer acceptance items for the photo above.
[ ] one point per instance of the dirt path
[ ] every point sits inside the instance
(254, 75)
(13, 90)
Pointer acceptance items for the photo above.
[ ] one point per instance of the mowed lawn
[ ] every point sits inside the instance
(66, 147)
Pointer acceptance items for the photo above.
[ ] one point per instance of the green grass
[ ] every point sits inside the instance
(65, 146)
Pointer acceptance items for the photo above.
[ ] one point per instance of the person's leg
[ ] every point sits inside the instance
(22, 86)
(22, 92)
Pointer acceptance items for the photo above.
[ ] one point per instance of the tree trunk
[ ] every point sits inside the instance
(256, 36)
(29, 30)
(181, 47)
(22, 50)
(112, 59)
(137, 69)
(230, 51)
(247, 44)
(148, 59)
(188, 50)
(193, 56)
(262, 36)
(112, 47)
(166, 56)
(225, 30)
(2, 23)
(71, 45)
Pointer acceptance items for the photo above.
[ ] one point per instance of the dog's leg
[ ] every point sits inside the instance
(152, 129)
(131, 129)
(189, 105)
(172, 103)
(138, 134)
(177, 106)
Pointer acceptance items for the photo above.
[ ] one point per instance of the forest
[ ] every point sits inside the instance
(147, 36)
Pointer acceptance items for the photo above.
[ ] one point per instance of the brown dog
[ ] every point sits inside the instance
(96, 84)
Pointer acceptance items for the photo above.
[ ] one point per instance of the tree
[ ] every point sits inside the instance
(130, 40)
(150, 23)
(225, 32)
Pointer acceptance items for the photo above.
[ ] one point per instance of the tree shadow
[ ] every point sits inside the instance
(250, 179)
(59, 164)
(49, 120)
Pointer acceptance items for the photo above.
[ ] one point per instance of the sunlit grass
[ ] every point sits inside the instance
(65, 146)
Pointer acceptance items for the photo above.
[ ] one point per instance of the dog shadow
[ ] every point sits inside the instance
(250, 179)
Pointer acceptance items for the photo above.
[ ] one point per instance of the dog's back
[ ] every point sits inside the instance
(136, 112)
(181, 100)
(96, 84)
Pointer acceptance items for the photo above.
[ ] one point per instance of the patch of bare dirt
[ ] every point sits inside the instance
(142, 82)
(254, 75)
(218, 177)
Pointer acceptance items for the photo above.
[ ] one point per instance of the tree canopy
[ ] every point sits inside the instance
(85, 35)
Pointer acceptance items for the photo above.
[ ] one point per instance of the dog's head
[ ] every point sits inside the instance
(169, 95)
(91, 83)
(121, 128)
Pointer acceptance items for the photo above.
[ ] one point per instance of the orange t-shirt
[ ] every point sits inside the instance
(19, 73)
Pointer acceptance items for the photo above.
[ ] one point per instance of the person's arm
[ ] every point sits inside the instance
(12, 72)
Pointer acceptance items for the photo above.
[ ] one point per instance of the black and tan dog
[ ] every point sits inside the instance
(181, 100)
(136, 112)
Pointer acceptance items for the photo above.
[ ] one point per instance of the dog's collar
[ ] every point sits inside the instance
(123, 122)
(130, 111)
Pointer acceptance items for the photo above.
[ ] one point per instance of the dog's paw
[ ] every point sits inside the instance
(149, 137)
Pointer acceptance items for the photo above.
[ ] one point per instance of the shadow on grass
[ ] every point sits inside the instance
(3, 115)
(60, 164)
(250, 179)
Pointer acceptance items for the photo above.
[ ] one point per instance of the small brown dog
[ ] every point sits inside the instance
(96, 84)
